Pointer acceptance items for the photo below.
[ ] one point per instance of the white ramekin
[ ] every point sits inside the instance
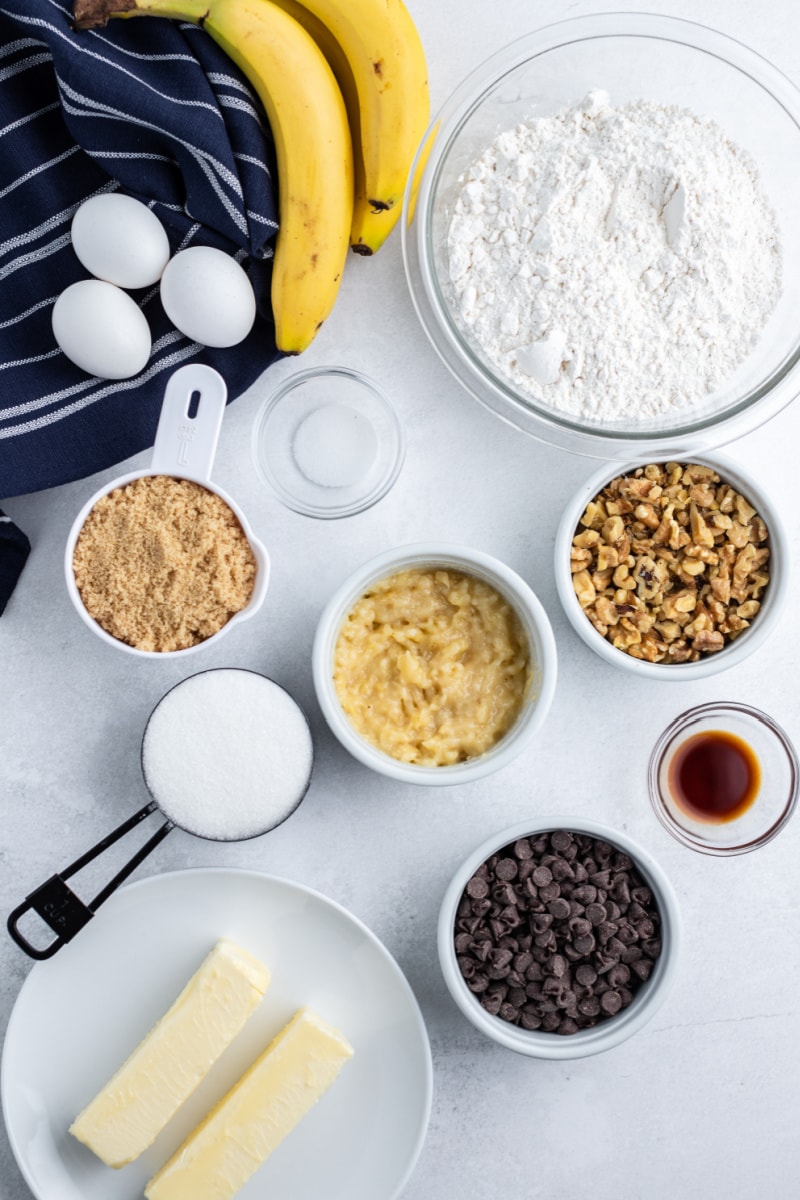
(773, 600)
(613, 1030)
(534, 621)
(184, 449)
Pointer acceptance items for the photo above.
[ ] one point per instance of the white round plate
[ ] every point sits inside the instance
(80, 1014)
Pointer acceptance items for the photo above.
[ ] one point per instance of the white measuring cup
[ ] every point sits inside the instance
(184, 449)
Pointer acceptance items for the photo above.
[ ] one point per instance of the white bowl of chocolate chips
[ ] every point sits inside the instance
(559, 937)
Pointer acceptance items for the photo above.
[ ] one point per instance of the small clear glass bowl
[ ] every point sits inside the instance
(328, 442)
(631, 56)
(775, 800)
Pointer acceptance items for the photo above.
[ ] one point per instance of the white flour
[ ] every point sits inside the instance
(616, 264)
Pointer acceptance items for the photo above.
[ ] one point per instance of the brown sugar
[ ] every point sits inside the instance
(163, 563)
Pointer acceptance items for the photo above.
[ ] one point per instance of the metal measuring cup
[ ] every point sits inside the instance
(64, 912)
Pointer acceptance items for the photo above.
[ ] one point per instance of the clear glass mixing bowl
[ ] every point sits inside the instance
(631, 56)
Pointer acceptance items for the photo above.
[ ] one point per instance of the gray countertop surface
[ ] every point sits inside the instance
(703, 1101)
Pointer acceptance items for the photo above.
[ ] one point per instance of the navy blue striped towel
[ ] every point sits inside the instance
(153, 108)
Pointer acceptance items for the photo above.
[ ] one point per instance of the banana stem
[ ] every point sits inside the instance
(90, 14)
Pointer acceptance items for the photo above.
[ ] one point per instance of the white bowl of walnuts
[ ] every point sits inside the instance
(674, 570)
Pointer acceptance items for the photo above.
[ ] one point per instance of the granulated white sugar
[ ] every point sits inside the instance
(227, 754)
(614, 263)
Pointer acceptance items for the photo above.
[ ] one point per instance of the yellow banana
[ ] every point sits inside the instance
(309, 123)
(375, 53)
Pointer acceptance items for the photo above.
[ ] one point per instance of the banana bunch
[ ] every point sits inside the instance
(344, 86)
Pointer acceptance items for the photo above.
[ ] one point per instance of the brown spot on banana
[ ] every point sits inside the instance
(89, 14)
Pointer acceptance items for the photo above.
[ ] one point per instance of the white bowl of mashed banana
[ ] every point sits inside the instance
(434, 664)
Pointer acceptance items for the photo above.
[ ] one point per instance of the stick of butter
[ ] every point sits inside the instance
(127, 1115)
(265, 1105)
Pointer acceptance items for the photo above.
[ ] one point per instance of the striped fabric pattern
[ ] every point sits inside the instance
(152, 108)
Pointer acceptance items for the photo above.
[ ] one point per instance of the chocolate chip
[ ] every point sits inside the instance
(530, 1019)
(561, 870)
(523, 849)
(584, 944)
(595, 913)
(618, 975)
(586, 975)
(560, 840)
(550, 891)
(478, 983)
(477, 888)
(589, 1006)
(601, 879)
(642, 968)
(506, 869)
(558, 965)
(579, 925)
(542, 876)
(611, 1003)
(559, 908)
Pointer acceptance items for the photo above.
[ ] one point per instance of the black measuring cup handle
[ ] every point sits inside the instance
(59, 907)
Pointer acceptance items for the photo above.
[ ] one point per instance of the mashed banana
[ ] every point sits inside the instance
(432, 666)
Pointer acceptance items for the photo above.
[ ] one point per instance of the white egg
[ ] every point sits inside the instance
(120, 240)
(208, 296)
(101, 329)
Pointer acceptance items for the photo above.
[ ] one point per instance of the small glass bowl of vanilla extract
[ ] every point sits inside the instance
(724, 778)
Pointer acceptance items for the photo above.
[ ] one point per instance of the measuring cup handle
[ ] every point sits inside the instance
(59, 907)
(186, 445)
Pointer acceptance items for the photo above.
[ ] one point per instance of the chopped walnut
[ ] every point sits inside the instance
(670, 563)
